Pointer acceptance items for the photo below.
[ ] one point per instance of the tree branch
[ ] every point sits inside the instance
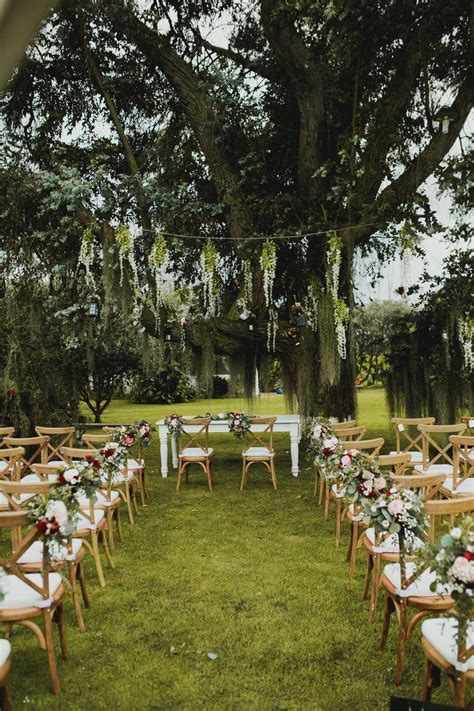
(244, 62)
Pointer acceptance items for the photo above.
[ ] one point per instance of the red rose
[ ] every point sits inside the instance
(327, 451)
(42, 525)
(468, 555)
(107, 452)
(61, 478)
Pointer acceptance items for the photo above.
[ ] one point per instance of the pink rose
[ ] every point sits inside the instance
(380, 483)
(129, 440)
(367, 486)
(346, 460)
(395, 507)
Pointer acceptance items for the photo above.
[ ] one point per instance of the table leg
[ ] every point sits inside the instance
(294, 447)
(174, 452)
(164, 451)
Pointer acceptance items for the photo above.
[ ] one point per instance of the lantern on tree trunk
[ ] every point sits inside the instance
(93, 308)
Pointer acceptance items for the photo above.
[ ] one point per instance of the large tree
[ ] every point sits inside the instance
(303, 118)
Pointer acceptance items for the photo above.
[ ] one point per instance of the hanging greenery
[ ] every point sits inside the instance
(408, 241)
(341, 317)
(86, 254)
(272, 329)
(248, 282)
(125, 241)
(311, 303)
(268, 262)
(466, 338)
(330, 361)
(158, 262)
(209, 257)
(333, 259)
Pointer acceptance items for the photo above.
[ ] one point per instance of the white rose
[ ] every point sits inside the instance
(72, 475)
(456, 533)
(58, 510)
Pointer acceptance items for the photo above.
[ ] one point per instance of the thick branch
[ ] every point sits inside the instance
(244, 62)
(196, 104)
(304, 74)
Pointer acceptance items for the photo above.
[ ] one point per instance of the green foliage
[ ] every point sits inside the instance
(169, 384)
(220, 386)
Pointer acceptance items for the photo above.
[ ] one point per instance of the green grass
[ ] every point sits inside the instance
(253, 577)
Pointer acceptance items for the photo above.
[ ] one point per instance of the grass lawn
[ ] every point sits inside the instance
(252, 577)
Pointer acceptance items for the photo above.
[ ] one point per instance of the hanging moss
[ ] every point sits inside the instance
(330, 361)
(208, 368)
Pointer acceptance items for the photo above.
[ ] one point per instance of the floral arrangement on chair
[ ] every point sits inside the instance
(174, 424)
(128, 435)
(54, 518)
(239, 423)
(321, 441)
(452, 559)
(365, 481)
(111, 462)
(398, 511)
(82, 478)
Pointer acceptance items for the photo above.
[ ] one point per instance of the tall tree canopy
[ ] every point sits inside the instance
(317, 120)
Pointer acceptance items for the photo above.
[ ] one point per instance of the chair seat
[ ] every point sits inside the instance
(118, 478)
(34, 554)
(60, 463)
(194, 452)
(5, 649)
(338, 493)
(420, 587)
(435, 469)
(34, 478)
(19, 594)
(441, 632)
(101, 499)
(134, 464)
(20, 499)
(414, 456)
(258, 452)
(464, 486)
(84, 523)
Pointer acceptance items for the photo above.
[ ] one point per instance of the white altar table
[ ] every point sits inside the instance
(284, 423)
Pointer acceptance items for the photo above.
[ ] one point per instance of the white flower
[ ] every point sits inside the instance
(456, 533)
(58, 510)
(72, 476)
(385, 524)
(317, 431)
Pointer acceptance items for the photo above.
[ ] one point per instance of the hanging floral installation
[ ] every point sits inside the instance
(408, 240)
(333, 258)
(272, 329)
(466, 338)
(268, 262)
(311, 304)
(125, 243)
(86, 254)
(248, 282)
(341, 317)
(158, 262)
(209, 257)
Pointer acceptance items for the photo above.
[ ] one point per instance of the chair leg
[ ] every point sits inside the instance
(209, 474)
(118, 523)
(48, 636)
(316, 480)
(353, 548)
(129, 504)
(180, 474)
(388, 608)
(97, 560)
(73, 577)
(401, 645)
(242, 482)
(368, 572)
(59, 619)
(338, 522)
(460, 691)
(427, 680)
(374, 593)
(4, 699)
(105, 545)
(141, 479)
(110, 529)
(82, 583)
(327, 490)
(273, 473)
(322, 481)
(133, 495)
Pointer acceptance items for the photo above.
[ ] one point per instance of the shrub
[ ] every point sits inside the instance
(220, 387)
(167, 385)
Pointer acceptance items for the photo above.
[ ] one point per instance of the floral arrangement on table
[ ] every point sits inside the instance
(452, 559)
(174, 424)
(137, 433)
(54, 518)
(239, 423)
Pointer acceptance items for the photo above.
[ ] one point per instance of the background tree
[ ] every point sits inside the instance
(309, 117)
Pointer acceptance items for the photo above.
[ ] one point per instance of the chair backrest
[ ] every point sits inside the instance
(13, 490)
(407, 438)
(428, 485)
(58, 437)
(6, 432)
(71, 453)
(15, 520)
(437, 449)
(263, 437)
(44, 471)
(447, 507)
(468, 420)
(395, 463)
(11, 463)
(97, 440)
(193, 439)
(36, 450)
(343, 425)
(371, 447)
(349, 433)
(463, 456)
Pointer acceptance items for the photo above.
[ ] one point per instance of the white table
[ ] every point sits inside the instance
(284, 423)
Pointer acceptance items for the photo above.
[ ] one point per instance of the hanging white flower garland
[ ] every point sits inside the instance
(158, 261)
(125, 241)
(333, 260)
(341, 317)
(466, 338)
(208, 260)
(248, 282)
(268, 262)
(272, 329)
(311, 304)
(86, 254)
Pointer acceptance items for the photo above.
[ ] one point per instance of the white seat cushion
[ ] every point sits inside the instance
(464, 486)
(441, 633)
(33, 478)
(101, 499)
(118, 478)
(20, 499)
(195, 452)
(5, 649)
(258, 452)
(84, 523)
(19, 594)
(34, 554)
(388, 545)
(60, 463)
(339, 494)
(134, 464)
(420, 587)
(435, 469)
(414, 456)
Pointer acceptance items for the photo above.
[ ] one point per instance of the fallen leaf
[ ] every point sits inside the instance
(212, 656)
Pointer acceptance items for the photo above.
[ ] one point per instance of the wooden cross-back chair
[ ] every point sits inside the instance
(96, 441)
(33, 596)
(468, 420)
(6, 432)
(106, 506)
(58, 437)
(69, 556)
(11, 462)
(408, 587)
(408, 437)
(341, 431)
(136, 465)
(260, 451)
(462, 481)
(194, 449)
(384, 547)
(335, 492)
(389, 464)
(36, 450)
(437, 449)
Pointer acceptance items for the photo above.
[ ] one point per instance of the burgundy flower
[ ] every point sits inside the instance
(468, 555)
